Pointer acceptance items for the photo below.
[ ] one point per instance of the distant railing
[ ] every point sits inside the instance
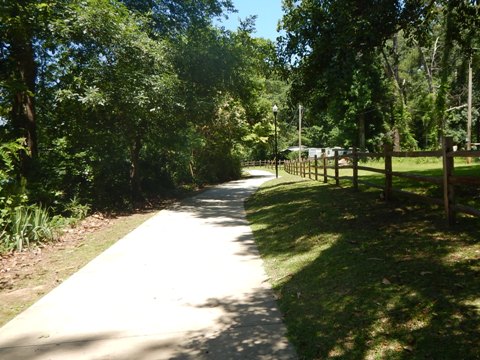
(269, 164)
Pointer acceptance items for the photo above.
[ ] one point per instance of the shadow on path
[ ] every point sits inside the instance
(241, 323)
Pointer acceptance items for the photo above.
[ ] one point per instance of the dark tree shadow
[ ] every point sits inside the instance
(251, 327)
(390, 281)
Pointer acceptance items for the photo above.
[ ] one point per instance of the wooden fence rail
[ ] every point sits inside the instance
(318, 167)
(269, 164)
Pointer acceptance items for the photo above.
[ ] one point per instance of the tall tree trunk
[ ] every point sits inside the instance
(361, 132)
(135, 168)
(24, 75)
(441, 99)
(394, 71)
(396, 140)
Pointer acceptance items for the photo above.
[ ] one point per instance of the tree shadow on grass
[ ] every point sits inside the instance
(465, 194)
(372, 280)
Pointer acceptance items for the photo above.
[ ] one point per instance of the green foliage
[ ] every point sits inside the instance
(24, 226)
(76, 210)
(135, 97)
(293, 155)
(20, 224)
(64, 173)
(123, 100)
(12, 185)
(381, 69)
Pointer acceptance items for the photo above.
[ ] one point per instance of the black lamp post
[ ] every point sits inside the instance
(275, 111)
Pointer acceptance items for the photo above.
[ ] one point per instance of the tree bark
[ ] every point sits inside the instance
(24, 74)
(135, 168)
(393, 70)
(396, 140)
(361, 132)
(428, 70)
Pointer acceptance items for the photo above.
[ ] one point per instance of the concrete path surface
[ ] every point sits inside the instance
(187, 284)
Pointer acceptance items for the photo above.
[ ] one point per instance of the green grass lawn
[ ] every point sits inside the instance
(465, 195)
(357, 278)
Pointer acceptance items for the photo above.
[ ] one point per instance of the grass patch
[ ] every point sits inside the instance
(432, 167)
(357, 278)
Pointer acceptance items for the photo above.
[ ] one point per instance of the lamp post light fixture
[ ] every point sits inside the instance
(275, 111)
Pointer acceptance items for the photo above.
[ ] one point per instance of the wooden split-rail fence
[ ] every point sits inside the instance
(318, 169)
(269, 164)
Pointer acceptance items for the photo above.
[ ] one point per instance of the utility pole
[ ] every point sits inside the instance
(300, 108)
(469, 110)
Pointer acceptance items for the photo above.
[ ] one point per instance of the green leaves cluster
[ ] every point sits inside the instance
(121, 100)
(20, 224)
(382, 71)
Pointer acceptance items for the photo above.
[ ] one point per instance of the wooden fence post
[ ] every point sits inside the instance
(304, 168)
(325, 179)
(387, 149)
(448, 189)
(316, 167)
(337, 173)
(355, 168)
(309, 169)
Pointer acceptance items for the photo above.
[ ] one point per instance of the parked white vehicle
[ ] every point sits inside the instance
(341, 151)
(329, 152)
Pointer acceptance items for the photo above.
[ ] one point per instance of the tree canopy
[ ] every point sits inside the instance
(107, 102)
(381, 69)
(118, 99)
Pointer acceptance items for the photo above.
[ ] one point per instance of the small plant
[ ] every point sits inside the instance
(26, 225)
(76, 211)
(42, 225)
(20, 227)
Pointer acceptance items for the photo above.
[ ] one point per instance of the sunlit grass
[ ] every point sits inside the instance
(357, 278)
(429, 167)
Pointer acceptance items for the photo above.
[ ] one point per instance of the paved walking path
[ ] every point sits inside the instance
(187, 284)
